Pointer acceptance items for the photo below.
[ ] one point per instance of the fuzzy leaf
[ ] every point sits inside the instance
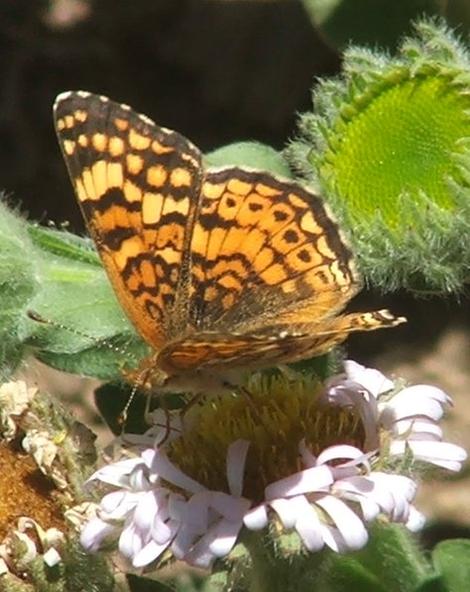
(451, 559)
(18, 283)
(59, 278)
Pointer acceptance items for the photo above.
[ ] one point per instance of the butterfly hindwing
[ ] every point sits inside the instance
(264, 248)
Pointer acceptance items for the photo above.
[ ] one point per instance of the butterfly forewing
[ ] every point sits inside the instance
(138, 186)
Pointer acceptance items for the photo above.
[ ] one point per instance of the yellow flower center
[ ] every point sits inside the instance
(281, 413)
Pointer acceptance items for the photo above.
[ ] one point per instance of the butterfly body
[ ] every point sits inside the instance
(220, 270)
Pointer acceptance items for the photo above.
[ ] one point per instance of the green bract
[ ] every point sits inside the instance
(388, 144)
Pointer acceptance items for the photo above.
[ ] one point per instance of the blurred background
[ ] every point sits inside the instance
(218, 71)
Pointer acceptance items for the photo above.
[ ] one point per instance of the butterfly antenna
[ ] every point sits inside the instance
(35, 316)
(140, 381)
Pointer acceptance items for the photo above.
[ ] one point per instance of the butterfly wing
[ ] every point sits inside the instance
(138, 186)
(219, 352)
(265, 251)
(271, 273)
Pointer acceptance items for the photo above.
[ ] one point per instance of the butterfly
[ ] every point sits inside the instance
(220, 270)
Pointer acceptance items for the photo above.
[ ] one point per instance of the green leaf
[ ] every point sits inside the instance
(321, 367)
(64, 244)
(111, 400)
(434, 583)
(342, 573)
(452, 560)
(140, 584)
(339, 19)
(18, 283)
(249, 154)
(77, 324)
(181, 583)
(394, 558)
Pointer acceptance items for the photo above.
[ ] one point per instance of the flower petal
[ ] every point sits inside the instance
(339, 452)
(372, 380)
(130, 542)
(149, 553)
(417, 429)
(354, 395)
(256, 518)
(145, 510)
(307, 524)
(116, 473)
(443, 454)
(403, 409)
(118, 504)
(333, 538)
(185, 537)
(224, 536)
(347, 522)
(313, 479)
(230, 507)
(217, 542)
(416, 520)
(197, 511)
(308, 459)
(286, 509)
(159, 463)
(236, 457)
(94, 533)
(423, 392)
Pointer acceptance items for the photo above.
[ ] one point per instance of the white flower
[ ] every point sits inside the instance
(410, 415)
(149, 518)
(154, 507)
(326, 488)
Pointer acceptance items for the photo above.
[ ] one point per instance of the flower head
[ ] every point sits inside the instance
(321, 461)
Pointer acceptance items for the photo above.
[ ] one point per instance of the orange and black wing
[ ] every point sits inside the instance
(138, 186)
(225, 351)
(265, 251)
(271, 273)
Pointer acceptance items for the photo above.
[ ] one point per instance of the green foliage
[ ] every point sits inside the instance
(249, 154)
(451, 559)
(59, 277)
(18, 282)
(76, 572)
(181, 583)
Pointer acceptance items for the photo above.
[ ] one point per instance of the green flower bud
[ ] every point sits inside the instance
(388, 144)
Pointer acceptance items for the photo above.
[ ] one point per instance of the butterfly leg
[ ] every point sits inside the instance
(190, 404)
(166, 411)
